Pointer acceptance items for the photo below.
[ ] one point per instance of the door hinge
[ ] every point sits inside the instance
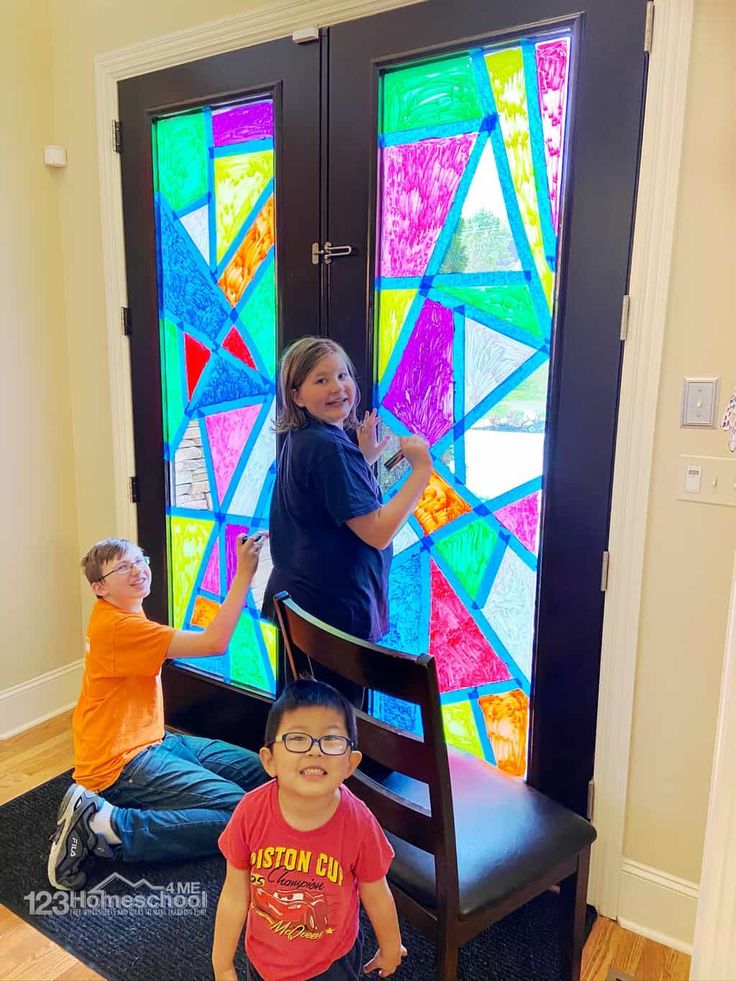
(329, 252)
(125, 320)
(117, 136)
(591, 800)
(624, 331)
(133, 490)
(649, 28)
(604, 571)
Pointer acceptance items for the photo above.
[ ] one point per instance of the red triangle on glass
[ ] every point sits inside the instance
(197, 356)
(235, 344)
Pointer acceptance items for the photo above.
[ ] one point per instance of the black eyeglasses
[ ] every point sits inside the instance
(125, 568)
(302, 742)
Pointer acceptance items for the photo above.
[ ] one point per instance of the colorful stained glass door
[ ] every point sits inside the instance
(214, 195)
(487, 171)
(224, 224)
(471, 160)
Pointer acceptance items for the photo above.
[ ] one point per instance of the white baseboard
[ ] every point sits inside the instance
(41, 698)
(657, 905)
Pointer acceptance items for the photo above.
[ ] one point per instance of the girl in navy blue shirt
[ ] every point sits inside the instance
(330, 531)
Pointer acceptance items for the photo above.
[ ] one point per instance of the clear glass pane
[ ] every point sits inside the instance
(471, 151)
(214, 202)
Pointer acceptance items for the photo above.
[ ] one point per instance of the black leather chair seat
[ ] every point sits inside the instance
(508, 835)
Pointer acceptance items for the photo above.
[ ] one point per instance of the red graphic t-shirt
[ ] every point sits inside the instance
(303, 884)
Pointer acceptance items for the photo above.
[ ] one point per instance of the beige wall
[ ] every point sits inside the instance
(689, 547)
(38, 555)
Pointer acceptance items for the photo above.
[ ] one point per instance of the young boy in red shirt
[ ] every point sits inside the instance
(303, 852)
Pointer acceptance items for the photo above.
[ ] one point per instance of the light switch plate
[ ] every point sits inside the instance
(699, 402)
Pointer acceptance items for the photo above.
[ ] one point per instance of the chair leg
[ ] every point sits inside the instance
(446, 951)
(573, 895)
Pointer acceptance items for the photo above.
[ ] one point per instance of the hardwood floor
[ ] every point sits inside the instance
(35, 756)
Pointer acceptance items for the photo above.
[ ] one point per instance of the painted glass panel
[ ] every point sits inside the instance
(471, 151)
(214, 202)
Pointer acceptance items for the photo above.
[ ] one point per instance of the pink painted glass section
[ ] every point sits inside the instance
(418, 184)
(228, 433)
(211, 578)
(250, 122)
(522, 518)
(421, 392)
(553, 59)
(462, 654)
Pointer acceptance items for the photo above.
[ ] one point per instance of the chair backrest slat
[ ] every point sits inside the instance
(355, 660)
(402, 751)
(403, 818)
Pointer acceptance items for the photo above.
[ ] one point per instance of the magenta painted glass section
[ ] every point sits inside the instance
(522, 517)
(421, 392)
(552, 70)
(243, 123)
(419, 182)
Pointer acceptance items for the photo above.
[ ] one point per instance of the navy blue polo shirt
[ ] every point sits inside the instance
(322, 481)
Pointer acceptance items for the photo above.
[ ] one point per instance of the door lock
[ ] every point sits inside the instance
(329, 252)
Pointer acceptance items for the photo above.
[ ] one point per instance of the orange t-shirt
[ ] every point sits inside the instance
(120, 709)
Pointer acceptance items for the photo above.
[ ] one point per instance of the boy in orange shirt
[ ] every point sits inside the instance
(142, 794)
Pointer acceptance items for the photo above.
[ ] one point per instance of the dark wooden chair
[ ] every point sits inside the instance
(472, 843)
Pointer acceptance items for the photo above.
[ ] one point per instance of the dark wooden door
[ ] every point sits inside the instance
(483, 162)
(221, 195)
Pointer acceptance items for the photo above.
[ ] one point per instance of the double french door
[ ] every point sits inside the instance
(481, 164)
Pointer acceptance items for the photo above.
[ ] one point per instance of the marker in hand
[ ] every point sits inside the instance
(394, 460)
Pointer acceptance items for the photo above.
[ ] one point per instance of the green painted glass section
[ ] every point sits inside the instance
(433, 94)
(246, 660)
(182, 158)
(512, 304)
(259, 318)
(172, 371)
(467, 552)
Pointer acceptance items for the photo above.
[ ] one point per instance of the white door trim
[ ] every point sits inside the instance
(714, 949)
(648, 288)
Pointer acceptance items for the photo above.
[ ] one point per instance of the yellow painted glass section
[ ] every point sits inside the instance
(506, 75)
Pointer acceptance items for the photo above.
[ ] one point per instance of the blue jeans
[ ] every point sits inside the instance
(173, 800)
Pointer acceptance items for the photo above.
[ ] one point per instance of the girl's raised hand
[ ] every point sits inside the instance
(370, 446)
(416, 451)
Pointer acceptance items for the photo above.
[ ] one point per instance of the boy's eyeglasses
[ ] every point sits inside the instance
(301, 742)
(125, 568)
